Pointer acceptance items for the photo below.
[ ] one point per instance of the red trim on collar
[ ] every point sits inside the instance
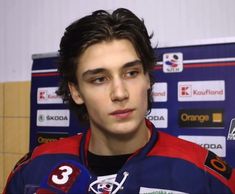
(87, 140)
(150, 127)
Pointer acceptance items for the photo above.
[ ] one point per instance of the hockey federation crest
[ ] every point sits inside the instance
(172, 62)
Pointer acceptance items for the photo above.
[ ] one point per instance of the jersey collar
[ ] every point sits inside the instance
(140, 153)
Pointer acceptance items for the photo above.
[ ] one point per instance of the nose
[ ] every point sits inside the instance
(119, 91)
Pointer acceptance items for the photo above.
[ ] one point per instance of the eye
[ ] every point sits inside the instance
(132, 74)
(98, 80)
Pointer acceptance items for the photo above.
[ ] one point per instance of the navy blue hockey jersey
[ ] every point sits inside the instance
(165, 165)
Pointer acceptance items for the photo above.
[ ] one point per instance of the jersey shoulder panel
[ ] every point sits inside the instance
(174, 147)
(68, 145)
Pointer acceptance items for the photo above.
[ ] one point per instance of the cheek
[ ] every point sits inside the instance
(141, 94)
(95, 101)
(144, 97)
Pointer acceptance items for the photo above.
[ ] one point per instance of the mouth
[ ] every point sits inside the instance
(125, 113)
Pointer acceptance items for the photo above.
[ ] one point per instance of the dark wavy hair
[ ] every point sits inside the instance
(95, 28)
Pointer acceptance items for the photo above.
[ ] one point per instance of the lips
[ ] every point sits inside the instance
(125, 113)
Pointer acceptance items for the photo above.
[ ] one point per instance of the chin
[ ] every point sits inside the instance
(125, 129)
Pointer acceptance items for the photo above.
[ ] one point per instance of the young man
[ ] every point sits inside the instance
(105, 65)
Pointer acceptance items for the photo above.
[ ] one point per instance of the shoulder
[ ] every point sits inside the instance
(175, 148)
(69, 145)
(171, 146)
(42, 159)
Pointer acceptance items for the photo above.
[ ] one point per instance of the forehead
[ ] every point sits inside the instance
(108, 55)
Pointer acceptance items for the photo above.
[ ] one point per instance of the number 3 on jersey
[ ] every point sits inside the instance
(63, 176)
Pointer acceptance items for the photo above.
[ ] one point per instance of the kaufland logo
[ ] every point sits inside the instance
(159, 92)
(47, 95)
(186, 90)
(201, 90)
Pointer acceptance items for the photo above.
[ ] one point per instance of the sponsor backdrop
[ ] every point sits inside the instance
(193, 97)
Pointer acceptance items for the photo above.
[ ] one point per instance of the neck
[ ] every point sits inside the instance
(102, 143)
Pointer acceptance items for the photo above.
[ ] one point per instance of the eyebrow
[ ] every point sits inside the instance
(91, 72)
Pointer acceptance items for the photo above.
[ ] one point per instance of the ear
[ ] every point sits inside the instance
(75, 94)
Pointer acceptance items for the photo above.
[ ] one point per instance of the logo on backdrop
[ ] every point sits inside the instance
(216, 144)
(201, 118)
(45, 137)
(172, 62)
(159, 92)
(53, 118)
(47, 95)
(201, 91)
(159, 117)
(231, 132)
